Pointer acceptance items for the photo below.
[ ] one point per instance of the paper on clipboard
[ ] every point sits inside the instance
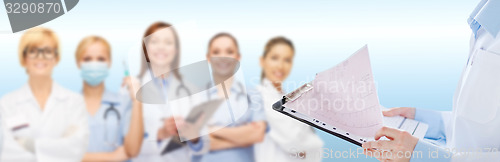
(312, 104)
(343, 96)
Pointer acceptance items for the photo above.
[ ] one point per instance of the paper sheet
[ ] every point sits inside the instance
(414, 127)
(344, 96)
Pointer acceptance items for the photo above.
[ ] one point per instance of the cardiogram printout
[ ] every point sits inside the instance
(344, 96)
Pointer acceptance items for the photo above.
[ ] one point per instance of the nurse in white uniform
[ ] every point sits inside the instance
(287, 139)
(115, 119)
(161, 54)
(470, 131)
(42, 121)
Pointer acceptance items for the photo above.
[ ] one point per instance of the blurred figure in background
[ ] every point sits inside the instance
(115, 120)
(231, 140)
(42, 121)
(160, 60)
(287, 140)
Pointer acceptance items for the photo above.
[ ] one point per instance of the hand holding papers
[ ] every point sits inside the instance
(341, 101)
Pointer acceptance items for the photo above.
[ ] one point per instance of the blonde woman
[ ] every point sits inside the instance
(115, 120)
(42, 121)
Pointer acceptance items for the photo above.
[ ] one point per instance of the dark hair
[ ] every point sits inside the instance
(273, 42)
(224, 34)
(151, 29)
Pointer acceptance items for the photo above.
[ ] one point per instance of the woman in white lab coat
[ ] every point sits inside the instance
(160, 60)
(42, 121)
(471, 129)
(287, 139)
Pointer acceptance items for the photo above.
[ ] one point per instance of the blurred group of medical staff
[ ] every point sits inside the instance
(43, 121)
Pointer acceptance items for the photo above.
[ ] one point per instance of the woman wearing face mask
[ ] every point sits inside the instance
(115, 120)
(160, 60)
(287, 140)
(232, 136)
(42, 121)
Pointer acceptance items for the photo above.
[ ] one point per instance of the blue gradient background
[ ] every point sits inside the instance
(417, 48)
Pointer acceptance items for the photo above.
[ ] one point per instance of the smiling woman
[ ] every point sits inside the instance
(161, 48)
(160, 63)
(42, 116)
(277, 59)
(287, 139)
(39, 41)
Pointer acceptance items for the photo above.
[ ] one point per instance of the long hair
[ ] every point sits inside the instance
(273, 42)
(175, 64)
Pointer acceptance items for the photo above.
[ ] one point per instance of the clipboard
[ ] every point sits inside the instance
(279, 106)
(174, 144)
(418, 129)
(207, 109)
(356, 68)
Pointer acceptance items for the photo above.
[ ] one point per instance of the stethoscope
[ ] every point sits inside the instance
(111, 109)
(181, 87)
(239, 94)
(178, 90)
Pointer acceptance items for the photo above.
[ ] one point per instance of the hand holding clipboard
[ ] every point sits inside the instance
(338, 93)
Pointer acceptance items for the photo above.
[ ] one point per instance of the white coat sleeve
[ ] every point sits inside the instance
(73, 144)
(10, 149)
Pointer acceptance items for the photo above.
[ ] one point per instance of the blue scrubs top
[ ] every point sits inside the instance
(106, 135)
(254, 113)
